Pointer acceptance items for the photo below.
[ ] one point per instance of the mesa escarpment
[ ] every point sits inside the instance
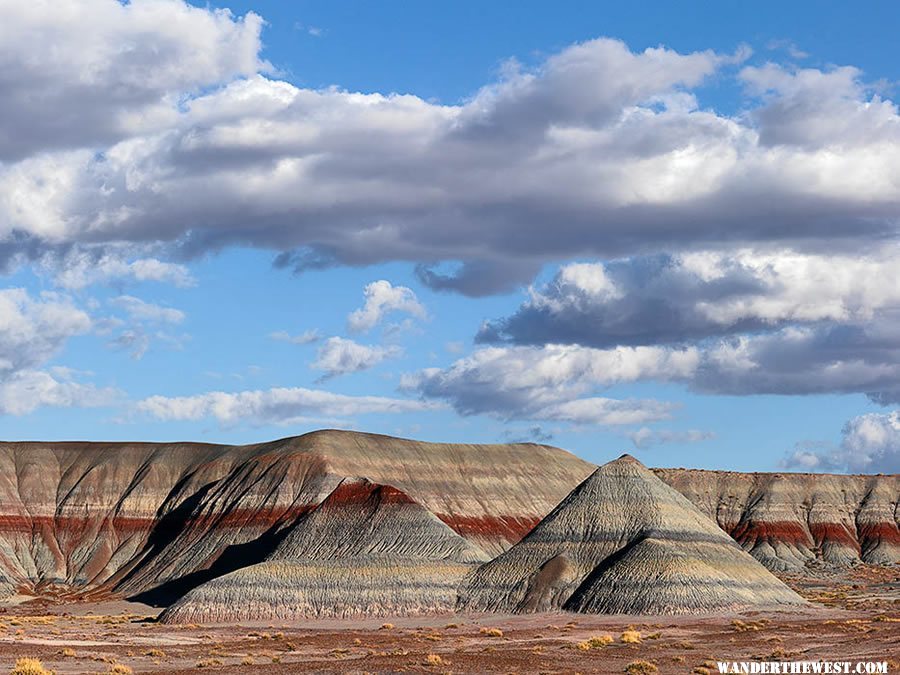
(137, 517)
(791, 521)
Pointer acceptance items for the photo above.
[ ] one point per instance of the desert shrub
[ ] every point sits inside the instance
(433, 660)
(641, 668)
(208, 663)
(600, 641)
(387, 626)
(596, 642)
(631, 637)
(29, 666)
(120, 669)
(155, 653)
(491, 632)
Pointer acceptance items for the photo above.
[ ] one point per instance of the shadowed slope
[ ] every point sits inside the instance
(368, 549)
(623, 542)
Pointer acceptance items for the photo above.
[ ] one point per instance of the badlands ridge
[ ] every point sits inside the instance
(339, 523)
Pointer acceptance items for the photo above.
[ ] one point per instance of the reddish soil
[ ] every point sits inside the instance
(857, 619)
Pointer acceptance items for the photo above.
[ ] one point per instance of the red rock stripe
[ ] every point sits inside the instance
(510, 528)
(833, 533)
(783, 531)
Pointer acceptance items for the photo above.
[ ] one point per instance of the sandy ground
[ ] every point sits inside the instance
(857, 617)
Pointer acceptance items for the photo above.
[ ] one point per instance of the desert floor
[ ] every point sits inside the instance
(857, 619)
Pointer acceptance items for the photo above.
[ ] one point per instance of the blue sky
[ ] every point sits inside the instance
(658, 229)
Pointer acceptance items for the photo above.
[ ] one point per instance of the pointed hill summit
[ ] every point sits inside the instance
(624, 542)
(366, 550)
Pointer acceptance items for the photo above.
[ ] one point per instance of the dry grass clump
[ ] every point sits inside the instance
(29, 666)
(247, 661)
(701, 670)
(387, 626)
(208, 663)
(631, 637)
(596, 642)
(120, 669)
(641, 668)
(491, 632)
(889, 619)
(68, 652)
(684, 644)
(600, 641)
(744, 626)
(155, 653)
(433, 660)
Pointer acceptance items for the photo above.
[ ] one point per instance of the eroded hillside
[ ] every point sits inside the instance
(157, 520)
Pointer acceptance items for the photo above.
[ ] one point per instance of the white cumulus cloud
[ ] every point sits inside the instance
(383, 298)
(277, 406)
(339, 356)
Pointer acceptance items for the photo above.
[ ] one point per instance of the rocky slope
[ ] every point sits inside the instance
(624, 542)
(791, 522)
(158, 519)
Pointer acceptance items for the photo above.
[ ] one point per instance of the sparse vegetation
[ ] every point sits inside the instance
(596, 642)
(68, 652)
(631, 637)
(120, 669)
(29, 666)
(491, 632)
(641, 668)
(208, 663)
(387, 626)
(744, 626)
(433, 660)
(155, 653)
